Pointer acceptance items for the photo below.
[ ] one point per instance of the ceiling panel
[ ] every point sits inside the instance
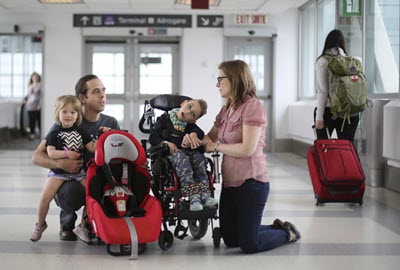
(159, 6)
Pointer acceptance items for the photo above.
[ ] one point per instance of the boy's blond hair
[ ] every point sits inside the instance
(62, 101)
(203, 106)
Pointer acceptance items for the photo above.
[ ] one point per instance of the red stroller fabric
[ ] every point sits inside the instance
(113, 149)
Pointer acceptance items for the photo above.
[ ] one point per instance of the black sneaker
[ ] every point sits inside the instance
(294, 233)
(278, 224)
(67, 236)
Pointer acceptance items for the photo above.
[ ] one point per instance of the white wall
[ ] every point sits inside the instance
(286, 69)
(201, 52)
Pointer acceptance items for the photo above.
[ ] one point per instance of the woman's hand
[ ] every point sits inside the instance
(319, 124)
(209, 146)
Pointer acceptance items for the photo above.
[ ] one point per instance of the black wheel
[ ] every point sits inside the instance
(141, 248)
(165, 240)
(318, 201)
(361, 202)
(216, 235)
(198, 227)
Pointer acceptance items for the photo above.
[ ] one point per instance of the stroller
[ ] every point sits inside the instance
(120, 210)
(166, 186)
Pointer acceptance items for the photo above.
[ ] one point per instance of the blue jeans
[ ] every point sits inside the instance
(240, 211)
(70, 198)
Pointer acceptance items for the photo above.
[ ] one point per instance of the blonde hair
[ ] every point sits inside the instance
(65, 100)
(203, 106)
(242, 82)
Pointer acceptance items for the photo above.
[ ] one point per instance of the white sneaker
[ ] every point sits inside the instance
(207, 200)
(82, 234)
(37, 232)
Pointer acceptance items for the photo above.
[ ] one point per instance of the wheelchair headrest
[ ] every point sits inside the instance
(167, 102)
(119, 145)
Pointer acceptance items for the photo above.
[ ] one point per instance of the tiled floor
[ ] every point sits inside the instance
(335, 236)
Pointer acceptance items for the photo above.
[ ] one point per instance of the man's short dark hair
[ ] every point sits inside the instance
(81, 87)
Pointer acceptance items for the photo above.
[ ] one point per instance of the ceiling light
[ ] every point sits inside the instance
(61, 1)
(213, 3)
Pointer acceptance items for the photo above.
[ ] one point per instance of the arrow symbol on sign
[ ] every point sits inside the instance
(205, 21)
(85, 19)
(218, 21)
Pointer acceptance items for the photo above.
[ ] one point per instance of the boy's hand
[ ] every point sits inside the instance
(194, 140)
(172, 147)
(186, 141)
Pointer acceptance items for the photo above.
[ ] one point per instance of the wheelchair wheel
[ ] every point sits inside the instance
(198, 227)
(165, 240)
(216, 235)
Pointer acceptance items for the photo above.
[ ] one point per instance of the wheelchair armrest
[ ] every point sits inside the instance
(161, 148)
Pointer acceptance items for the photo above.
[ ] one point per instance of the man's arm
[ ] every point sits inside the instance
(42, 159)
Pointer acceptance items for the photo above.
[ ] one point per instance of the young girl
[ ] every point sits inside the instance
(66, 141)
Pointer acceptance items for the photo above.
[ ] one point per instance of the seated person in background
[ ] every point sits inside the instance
(190, 164)
(66, 141)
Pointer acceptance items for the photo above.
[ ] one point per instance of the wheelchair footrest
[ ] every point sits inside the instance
(207, 212)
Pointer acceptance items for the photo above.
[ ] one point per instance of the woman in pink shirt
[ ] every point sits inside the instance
(239, 133)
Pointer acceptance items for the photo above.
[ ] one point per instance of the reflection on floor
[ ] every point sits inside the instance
(335, 236)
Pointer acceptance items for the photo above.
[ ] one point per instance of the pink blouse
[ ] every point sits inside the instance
(236, 170)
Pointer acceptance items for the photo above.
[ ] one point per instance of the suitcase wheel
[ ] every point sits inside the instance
(318, 201)
(361, 202)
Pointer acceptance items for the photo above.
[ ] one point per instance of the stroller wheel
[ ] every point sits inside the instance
(198, 227)
(216, 235)
(165, 240)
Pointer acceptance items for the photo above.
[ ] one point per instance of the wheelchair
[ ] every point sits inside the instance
(165, 184)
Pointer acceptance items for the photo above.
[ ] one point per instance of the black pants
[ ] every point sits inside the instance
(349, 130)
(34, 117)
(70, 198)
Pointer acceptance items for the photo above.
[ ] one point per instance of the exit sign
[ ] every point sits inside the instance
(250, 19)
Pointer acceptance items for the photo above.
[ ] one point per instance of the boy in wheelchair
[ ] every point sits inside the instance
(190, 164)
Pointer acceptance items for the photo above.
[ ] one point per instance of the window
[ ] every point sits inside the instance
(307, 50)
(377, 46)
(382, 46)
(109, 65)
(20, 56)
(156, 70)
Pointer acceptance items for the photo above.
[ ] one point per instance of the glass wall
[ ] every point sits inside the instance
(317, 19)
(20, 56)
(374, 39)
(382, 46)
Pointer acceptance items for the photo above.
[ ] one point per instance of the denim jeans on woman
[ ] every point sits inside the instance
(241, 210)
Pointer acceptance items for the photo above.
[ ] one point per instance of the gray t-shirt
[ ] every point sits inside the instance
(92, 129)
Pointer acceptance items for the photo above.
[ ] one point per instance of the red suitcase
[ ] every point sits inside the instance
(335, 171)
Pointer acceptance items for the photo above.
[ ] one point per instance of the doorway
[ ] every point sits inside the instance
(133, 70)
(257, 52)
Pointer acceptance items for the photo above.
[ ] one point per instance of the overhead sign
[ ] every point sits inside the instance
(131, 20)
(352, 7)
(210, 21)
(249, 19)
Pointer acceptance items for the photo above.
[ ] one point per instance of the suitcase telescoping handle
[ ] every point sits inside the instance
(315, 132)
